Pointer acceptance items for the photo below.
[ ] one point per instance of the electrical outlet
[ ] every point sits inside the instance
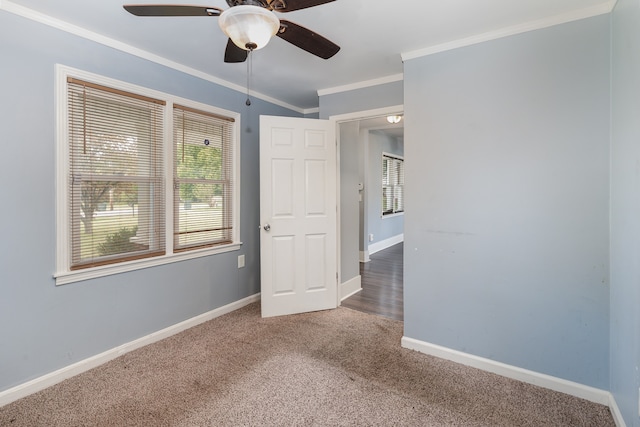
(371, 237)
(240, 261)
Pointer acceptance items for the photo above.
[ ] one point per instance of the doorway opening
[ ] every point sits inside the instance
(371, 250)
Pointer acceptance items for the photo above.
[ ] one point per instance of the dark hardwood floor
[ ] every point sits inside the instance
(382, 280)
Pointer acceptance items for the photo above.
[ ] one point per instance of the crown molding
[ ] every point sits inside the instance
(312, 110)
(576, 15)
(33, 15)
(361, 85)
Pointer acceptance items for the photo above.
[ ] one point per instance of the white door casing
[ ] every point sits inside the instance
(298, 210)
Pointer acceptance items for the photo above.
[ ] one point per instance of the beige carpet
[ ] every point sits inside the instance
(333, 368)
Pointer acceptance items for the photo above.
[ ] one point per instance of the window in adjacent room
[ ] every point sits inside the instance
(392, 184)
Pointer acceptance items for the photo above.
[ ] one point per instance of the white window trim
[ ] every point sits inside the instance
(63, 274)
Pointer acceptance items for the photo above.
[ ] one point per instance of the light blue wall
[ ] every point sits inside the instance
(507, 188)
(625, 210)
(349, 202)
(382, 228)
(369, 98)
(44, 327)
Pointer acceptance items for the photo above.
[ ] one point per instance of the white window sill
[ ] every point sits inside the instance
(66, 277)
(392, 215)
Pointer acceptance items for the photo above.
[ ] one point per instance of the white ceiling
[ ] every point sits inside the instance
(373, 35)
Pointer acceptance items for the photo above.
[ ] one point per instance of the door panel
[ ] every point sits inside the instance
(298, 202)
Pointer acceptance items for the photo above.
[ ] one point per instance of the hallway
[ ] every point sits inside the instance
(382, 285)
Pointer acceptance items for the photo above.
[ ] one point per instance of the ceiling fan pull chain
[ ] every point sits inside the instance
(249, 71)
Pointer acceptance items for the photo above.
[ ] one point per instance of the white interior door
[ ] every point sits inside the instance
(298, 210)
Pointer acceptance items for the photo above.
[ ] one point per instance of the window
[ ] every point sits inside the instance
(392, 184)
(144, 178)
(115, 177)
(202, 178)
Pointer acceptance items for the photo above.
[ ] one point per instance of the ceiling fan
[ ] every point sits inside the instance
(250, 24)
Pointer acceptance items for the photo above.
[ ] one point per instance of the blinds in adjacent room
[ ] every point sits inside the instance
(392, 185)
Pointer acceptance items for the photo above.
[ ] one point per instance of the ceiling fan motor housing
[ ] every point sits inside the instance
(277, 5)
(260, 3)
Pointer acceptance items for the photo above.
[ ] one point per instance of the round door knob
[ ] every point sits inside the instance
(267, 227)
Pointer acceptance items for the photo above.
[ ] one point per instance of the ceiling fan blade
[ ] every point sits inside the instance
(234, 54)
(307, 40)
(291, 5)
(171, 10)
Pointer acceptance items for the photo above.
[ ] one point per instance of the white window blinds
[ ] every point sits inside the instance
(116, 191)
(392, 185)
(203, 187)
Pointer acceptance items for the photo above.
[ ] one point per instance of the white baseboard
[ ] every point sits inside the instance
(350, 287)
(74, 369)
(364, 256)
(386, 243)
(615, 412)
(592, 394)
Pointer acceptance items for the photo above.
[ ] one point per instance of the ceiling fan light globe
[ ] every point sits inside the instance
(249, 27)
